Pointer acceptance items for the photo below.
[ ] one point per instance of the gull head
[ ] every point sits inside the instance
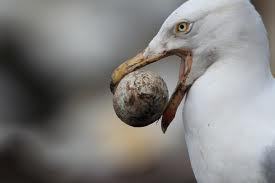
(210, 30)
(200, 32)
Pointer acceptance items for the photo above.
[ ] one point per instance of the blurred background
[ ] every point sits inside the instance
(57, 124)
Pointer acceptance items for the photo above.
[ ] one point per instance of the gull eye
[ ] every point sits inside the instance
(183, 27)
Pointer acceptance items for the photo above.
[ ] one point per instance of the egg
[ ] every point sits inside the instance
(140, 98)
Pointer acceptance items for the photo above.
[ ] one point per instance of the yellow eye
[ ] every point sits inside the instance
(184, 27)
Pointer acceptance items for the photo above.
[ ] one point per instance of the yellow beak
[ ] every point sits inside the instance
(140, 61)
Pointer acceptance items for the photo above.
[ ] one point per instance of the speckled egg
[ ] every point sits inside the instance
(140, 98)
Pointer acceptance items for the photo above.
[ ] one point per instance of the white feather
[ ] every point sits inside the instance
(229, 112)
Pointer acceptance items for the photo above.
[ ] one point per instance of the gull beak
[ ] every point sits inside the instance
(140, 61)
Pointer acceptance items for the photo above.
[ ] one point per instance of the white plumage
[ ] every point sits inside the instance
(229, 114)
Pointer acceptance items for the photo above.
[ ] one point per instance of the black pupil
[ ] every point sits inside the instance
(182, 26)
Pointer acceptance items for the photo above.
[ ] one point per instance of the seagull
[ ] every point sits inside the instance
(227, 87)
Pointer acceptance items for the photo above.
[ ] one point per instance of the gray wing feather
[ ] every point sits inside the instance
(269, 164)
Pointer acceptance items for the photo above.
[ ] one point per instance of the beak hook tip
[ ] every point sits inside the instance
(112, 87)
